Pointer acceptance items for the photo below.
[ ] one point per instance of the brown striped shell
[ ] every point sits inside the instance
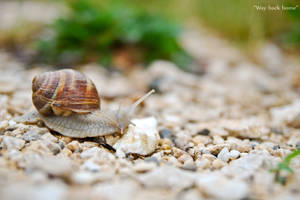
(63, 92)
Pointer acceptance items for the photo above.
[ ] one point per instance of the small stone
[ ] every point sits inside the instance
(217, 164)
(182, 139)
(203, 163)
(210, 157)
(295, 122)
(244, 148)
(12, 122)
(53, 147)
(199, 139)
(62, 144)
(189, 165)
(74, 145)
(57, 166)
(218, 139)
(216, 149)
(91, 166)
(99, 155)
(185, 158)
(224, 155)
(167, 133)
(217, 186)
(140, 139)
(49, 137)
(204, 132)
(3, 125)
(287, 114)
(165, 144)
(167, 177)
(124, 189)
(31, 135)
(9, 142)
(66, 152)
(234, 154)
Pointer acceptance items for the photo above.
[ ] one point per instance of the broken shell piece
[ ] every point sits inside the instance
(141, 138)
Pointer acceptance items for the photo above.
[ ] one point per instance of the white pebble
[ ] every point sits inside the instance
(141, 139)
(234, 154)
(12, 122)
(12, 143)
(217, 186)
(91, 166)
(224, 154)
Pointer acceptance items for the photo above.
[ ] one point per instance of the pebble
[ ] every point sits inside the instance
(203, 163)
(166, 133)
(234, 154)
(140, 139)
(11, 122)
(53, 147)
(74, 145)
(49, 137)
(9, 142)
(126, 189)
(91, 166)
(168, 177)
(218, 140)
(204, 132)
(31, 135)
(224, 155)
(217, 164)
(217, 186)
(99, 155)
(3, 125)
(56, 166)
(199, 139)
(287, 114)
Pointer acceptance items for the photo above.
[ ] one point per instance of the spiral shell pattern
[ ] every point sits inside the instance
(63, 92)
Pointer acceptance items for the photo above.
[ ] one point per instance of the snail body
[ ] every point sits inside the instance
(68, 103)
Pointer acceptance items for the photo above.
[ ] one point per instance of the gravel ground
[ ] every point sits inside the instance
(212, 136)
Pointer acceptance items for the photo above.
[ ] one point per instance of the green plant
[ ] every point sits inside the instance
(291, 38)
(99, 30)
(284, 167)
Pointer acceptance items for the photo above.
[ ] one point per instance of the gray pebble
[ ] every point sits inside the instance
(53, 147)
(204, 132)
(31, 135)
(167, 133)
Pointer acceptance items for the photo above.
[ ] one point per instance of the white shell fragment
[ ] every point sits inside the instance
(141, 138)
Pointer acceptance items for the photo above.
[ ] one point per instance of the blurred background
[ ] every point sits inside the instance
(128, 33)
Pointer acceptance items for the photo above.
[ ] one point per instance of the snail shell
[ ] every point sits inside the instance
(63, 92)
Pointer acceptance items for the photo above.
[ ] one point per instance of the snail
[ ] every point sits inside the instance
(68, 103)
